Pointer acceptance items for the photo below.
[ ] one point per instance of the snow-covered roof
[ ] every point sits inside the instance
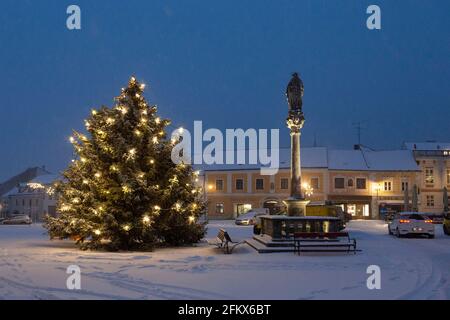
(391, 160)
(427, 146)
(346, 160)
(362, 159)
(46, 179)
(311, 158)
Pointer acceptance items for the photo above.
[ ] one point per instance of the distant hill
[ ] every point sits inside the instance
(23, 177)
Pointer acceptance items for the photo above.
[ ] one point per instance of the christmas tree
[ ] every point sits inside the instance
(122, 191)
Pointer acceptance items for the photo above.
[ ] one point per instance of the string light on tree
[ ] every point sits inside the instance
(124, 192)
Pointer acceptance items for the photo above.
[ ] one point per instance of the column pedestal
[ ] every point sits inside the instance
(296, 207)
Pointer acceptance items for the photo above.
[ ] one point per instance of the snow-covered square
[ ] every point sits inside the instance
(32, 267)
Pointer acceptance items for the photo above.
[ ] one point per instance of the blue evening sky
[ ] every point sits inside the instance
(226, 63)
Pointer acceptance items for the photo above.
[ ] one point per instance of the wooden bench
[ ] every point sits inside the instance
(323, 242)
(223, 241)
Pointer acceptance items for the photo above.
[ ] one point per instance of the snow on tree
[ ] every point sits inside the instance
(122, 191)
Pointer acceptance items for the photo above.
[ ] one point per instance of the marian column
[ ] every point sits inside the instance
(296, 203)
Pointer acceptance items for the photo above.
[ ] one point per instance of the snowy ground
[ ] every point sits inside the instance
(32, 267)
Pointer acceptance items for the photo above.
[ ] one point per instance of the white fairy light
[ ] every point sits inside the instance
(146, 219)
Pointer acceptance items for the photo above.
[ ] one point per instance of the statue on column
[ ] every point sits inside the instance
(294, 94)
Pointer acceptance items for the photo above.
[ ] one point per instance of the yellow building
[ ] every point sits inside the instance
(362, 181)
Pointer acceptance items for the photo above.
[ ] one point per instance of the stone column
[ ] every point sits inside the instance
(296, 203)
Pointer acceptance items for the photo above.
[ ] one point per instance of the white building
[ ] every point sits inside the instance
(35, 198)
(433, 158)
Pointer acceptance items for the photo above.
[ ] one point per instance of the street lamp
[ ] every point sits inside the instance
(307, 189)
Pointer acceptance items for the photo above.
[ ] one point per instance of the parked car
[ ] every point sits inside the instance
(17, 219)
(411, 223)
(249, 218)
(446, 224)
(437, 218)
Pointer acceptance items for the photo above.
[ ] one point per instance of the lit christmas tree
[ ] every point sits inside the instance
(123, 192)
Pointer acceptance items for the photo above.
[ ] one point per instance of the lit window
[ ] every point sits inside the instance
(219, 208)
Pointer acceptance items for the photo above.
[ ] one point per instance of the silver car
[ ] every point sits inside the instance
(411, 223)
(17, 219)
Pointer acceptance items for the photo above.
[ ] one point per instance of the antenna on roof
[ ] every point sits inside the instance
(359, 127)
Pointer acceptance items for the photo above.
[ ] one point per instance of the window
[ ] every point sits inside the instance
(219, 208)
(219, 185)
(239, 184)
(315, 183)
(242, 208)
(448, 176)
(284, 183)
(361, 183)
(405, 185)
(430, 201)
(350, 183)
(259, 184)
(429, 177)
(388, 186)
(339, 183)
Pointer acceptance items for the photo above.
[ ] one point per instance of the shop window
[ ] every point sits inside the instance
(351, 209)
(242, 208)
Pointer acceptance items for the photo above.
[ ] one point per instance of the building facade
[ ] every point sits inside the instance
(35, 199)
(433, 159)
(365, 183)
